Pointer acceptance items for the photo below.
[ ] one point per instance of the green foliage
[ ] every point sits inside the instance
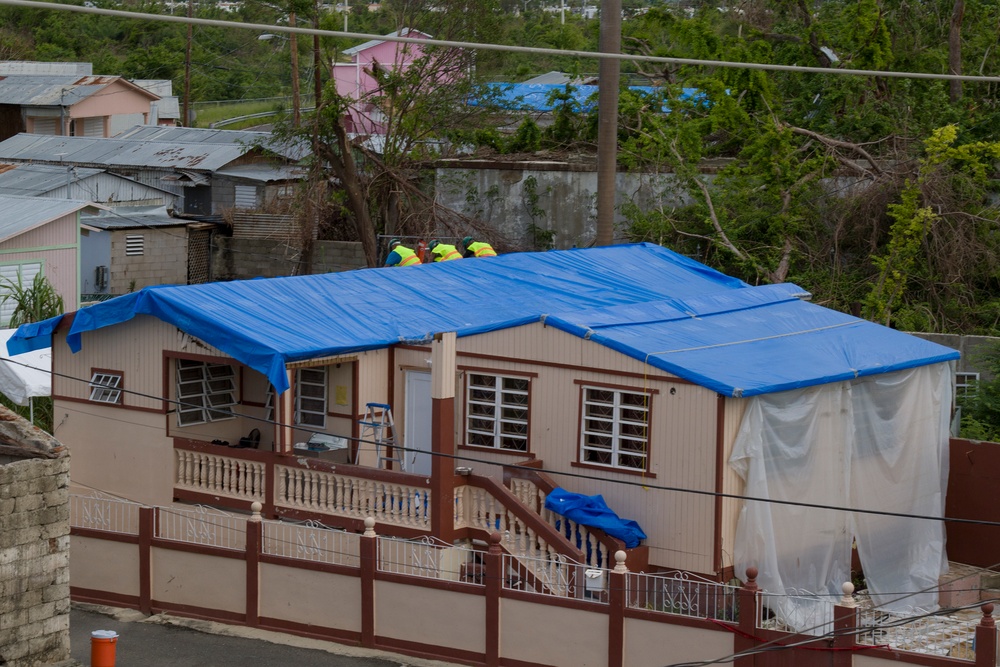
(981, 404)
(32, 303)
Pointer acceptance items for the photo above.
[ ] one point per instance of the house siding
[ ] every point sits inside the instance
(55, 245)
(682, 433)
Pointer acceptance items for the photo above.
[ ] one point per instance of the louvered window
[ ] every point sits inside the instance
(134, 244)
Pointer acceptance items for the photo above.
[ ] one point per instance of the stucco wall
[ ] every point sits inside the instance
(34, 562)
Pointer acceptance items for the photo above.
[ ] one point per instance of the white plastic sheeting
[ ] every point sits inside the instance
(24, 376)
(877, 443)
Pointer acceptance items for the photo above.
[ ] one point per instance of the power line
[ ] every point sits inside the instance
(646, 484)
(34, 4)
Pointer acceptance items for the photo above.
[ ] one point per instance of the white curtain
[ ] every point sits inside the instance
(877, 443)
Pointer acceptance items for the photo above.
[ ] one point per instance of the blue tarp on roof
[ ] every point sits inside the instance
(643, 300)
(535, 96)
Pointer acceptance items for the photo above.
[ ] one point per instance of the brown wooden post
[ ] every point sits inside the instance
(617, 602)
(443, 371)
(369, 556)
(146, 519)
(986, 639)
(845, 624)
(749, 612)
(255, 534)
(493, 567)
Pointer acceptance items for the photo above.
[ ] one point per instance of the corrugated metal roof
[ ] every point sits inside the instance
(405, 32)
(32, 180)
(134, 219)
(19, 214)
(196, 135)
(53, 90)
(264, 173)
(119, 153)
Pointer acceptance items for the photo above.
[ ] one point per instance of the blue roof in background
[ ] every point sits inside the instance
(535, 96)
(643, 300)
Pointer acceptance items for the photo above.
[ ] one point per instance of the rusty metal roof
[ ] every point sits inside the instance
(195, 135)
(101, 152)
(34, 180)
(54, 90)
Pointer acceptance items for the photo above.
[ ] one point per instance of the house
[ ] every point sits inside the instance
(359, 77)
(189, 163)
(82, 184)
(71, 105)
(39, 235)
(670, 389)
(138, 248)
(166, 110)
(34, 541)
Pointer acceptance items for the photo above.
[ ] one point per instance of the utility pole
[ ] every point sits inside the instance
(187, 67)
(317, 60)
(293, 44)
(607, 120)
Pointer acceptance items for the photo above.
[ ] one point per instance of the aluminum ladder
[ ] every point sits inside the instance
(377, 427)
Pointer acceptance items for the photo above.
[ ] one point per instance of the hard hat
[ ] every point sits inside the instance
(466, 241)
(393, 243)
(432, 244)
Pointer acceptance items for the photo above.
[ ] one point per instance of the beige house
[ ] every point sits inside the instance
(628, 371)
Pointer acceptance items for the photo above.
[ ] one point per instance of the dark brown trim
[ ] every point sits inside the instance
(347, 637)
(254, 543)
(146, 528)
(101, 535)
(91, 596)
(592, 606)
(672, 619)
(493, 562)
(349, 524)
(340, 415)
(624, 471)
(616, 619)
(437, 584)
(116, 406)
(443, 467)
(198, 498)
(252, 404)
(720, 446)
(495, 371)
(368, 551)
(201, 613)
(552, 364)
(428, 651)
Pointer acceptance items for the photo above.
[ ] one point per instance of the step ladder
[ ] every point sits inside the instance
(377, 427)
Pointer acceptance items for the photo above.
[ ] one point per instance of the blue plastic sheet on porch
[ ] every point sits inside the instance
(643, 300)
(593, 511)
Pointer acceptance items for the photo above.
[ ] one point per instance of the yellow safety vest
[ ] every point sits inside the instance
(480, 249)
(444, 253)
(407, 256)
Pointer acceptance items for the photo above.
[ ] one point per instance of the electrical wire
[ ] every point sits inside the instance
(34, 4)
(645, 484)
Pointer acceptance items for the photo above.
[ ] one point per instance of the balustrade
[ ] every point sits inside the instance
(219, 475)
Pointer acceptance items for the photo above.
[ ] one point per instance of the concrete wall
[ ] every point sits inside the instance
(163, 261)
(34, 562)
(969, 346)
(241, 259)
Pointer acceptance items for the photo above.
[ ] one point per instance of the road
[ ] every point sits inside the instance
(166, 641)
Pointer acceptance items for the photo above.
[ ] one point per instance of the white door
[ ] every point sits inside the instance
(417, 431)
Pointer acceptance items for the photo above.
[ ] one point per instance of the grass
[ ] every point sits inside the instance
(205, 115)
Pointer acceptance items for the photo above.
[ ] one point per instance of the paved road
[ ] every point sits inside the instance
(163, 641)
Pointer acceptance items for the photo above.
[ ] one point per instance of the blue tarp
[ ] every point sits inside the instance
(536, 96)
(592, 511)
(643, 300)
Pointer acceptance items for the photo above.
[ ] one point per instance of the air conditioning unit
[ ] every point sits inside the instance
(101, 278)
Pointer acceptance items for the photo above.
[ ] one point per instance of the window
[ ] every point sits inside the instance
(134, 244)
(205, 392)
(496, 412)
(310, 397)
(966, 383)
(106, 387)
(12, 275)
(614, 428)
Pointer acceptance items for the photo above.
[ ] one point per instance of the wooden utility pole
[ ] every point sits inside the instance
(293, 44)
(607, 120)
(187, 67)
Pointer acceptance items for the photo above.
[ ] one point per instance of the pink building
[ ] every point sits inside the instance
(358, 79)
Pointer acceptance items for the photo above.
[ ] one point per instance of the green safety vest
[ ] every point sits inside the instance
(407, 256)
(444, 253)
(481, 249)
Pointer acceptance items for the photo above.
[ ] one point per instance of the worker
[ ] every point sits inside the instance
(400, 255)
(442, 252)
(473, 248)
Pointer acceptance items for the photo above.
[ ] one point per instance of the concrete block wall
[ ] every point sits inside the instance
(34, 562)
(243, 259)
(163, 262)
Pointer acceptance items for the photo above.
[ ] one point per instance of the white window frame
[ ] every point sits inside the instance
(966, 383)
(311, 397)
(135, 245)
(18, 272)
(106, 387)
(497, 411)
(204, 391)
(606, 426)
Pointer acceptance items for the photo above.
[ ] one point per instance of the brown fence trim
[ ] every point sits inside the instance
(675, 619)
(101, 535)
(419, 650)
(437, 584)
(218, 552)
(91, 596)
(314, 566)
(200, 613)
(347, 637)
